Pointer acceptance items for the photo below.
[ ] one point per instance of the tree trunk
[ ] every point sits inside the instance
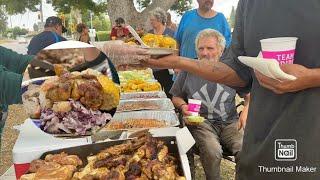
(76, 13)
(127, 10)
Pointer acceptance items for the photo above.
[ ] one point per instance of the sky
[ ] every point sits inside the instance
(29, 18)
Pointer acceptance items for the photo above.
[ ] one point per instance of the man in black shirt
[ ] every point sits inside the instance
(53, 30)
(281, 139)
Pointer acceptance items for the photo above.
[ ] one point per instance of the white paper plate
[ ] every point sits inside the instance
(268, 67)
(68, 45)
(161, 51)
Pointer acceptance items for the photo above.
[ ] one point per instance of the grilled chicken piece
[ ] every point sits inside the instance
(60, 92)
(160, 171)
(138, 142)
(64, 159)
(147, 167)
(60, 69)
(85, 172)
(151, 151)
(28, 176)
(93, 174)
(162, 153)
(142, 177)
(114, 150)
(35, 165)
(91, 94)
(137, 156)
(114, 175)
(133, 172)
(170, 160)
(112, 162)
(61, 173)
(51, 171)
(75, 94)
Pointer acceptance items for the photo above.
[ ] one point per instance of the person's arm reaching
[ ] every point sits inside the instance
(12, 66)
(10, 85)
(217, 72)
(228, 71)
(14, 61)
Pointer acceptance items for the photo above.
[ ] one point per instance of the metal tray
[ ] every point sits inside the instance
(84, 151)
(169, 117)
(164, 104)
(143, 95)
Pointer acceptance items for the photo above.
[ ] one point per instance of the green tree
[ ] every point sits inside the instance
(100, 23)
(17, 31)
(65, 6)
(18, 6)
(128, 11)
(182, 6)
(179, 6)
(232, 17)
(3, 21)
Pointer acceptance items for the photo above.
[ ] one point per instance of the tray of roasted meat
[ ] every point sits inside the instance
(143, 95)
(145, 157)
(145, 104)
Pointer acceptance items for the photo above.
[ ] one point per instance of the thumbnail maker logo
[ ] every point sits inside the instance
(285, 150)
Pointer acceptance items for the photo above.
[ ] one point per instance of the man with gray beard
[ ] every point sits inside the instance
(220, 129)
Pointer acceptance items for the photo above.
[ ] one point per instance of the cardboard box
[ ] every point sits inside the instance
(185, 141)
(32, 142)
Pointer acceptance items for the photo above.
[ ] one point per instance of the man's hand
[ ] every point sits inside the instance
(306, 78)
(184, 110)
(186, 113)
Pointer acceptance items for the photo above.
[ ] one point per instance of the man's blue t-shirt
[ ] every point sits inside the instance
(43, 40)
(192, 23)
